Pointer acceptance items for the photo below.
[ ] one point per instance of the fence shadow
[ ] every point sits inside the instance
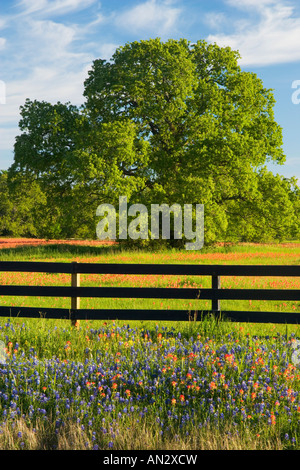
(62, 248)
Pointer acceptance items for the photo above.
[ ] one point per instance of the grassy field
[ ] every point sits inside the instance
(241, 254)
(149, 385)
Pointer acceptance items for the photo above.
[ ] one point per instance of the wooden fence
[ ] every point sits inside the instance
(216, 294)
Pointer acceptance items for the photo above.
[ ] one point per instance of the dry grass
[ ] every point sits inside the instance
(133, 437)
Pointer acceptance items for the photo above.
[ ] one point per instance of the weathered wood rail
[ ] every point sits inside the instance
(216, 294)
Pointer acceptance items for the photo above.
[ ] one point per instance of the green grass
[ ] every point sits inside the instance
(48, 360)
(232, 254)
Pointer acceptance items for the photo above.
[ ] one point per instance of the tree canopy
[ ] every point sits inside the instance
(162, 122)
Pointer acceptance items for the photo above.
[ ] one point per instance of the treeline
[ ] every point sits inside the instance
(162, 122)
(28, 210)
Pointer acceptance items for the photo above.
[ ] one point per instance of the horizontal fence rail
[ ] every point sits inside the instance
(215, 293)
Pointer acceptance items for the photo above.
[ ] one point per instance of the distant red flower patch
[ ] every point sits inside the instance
(16, 242)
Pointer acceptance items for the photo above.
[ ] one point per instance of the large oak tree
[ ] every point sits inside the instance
(169, 122)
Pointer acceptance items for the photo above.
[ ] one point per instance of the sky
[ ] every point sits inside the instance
(48, 46)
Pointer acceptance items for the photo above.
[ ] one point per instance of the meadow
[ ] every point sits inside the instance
(149, 385)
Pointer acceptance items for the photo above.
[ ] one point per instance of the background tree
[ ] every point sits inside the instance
(22, 206)
(272, 214)
(78, 166)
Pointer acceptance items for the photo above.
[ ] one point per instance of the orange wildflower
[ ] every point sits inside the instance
(273, 419)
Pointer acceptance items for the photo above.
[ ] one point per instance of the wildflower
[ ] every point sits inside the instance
(173, 401)
(212, 385)
(182, 398)
(272, 419)
(229, 358)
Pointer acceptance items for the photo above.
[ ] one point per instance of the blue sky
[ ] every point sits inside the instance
(48, 46)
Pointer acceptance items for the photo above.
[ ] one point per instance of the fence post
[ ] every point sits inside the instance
(75, 301)
(216, 284)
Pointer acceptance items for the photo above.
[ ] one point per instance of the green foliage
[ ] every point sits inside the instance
(21, 205)
(162, 122)
(271, 214)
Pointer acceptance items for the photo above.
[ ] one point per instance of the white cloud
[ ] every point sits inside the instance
(43, 62)
(44, 84)
(273, 39)
(250, 3)
(53, 38)
(53, 7)
(50, 69)
(2, 23)
(159, 17)
(215, 19)
(106, 50)
(7, 138)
